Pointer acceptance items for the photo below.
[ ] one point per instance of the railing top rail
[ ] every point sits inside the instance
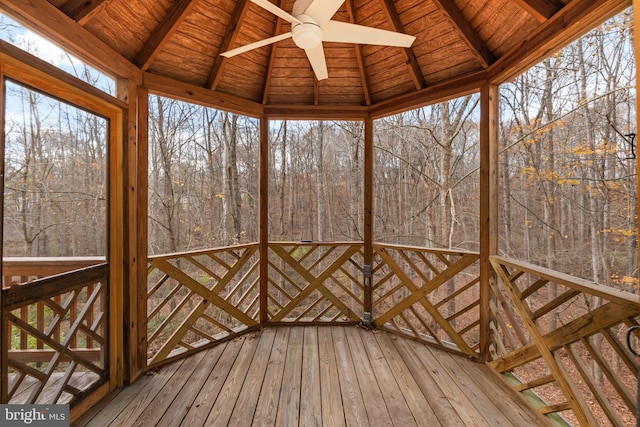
(31, 292)
(612, 294)
(57, 260)
(254, 244)
(425, 249)
(317, 242)
(202, 251)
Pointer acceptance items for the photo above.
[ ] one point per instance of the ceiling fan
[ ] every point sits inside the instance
(311, 24)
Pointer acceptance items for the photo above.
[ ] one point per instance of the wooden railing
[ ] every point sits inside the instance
(197, 298)
(561, 340)
(315, 282)
(555, 338)
(431, 295)
(16, 270)
(56, 343)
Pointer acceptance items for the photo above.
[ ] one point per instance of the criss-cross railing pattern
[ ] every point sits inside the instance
(561, 340)
(431, 295)
(557, 339)
(195, 299)
(315, 282)
(57, 337)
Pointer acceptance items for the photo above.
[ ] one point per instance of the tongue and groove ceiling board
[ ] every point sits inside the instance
(459, 45)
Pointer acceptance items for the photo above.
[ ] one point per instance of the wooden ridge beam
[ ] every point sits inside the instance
(163, 33)
(229, 36)
(470, 36)
(389, 9)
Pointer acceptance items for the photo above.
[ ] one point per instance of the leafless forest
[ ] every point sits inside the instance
(567, 171)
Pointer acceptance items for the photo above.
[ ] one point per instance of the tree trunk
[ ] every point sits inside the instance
(320, 196)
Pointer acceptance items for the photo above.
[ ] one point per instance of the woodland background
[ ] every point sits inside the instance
(568, 185)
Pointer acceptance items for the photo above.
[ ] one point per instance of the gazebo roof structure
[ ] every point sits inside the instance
(459, 45)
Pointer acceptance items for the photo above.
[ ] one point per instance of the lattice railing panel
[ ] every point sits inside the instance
(315, 282)
(428, 294)
(561, 340)
(197, 298)
(58, 337)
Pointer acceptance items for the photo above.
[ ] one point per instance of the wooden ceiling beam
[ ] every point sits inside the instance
(364, 79)
(229, 36)
(316, 112)
(163, 33)
(470, 36)
(439, 92)
(81, 11)
(540, 9)
(575, 19)
(169, 87)
(414, 68)
(316, 91)
(51, 22)
(272, 58)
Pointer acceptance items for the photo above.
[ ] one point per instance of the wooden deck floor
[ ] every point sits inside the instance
(316, 376)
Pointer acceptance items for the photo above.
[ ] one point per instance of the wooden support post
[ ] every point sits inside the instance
(4, 325)
(489, 108)
(636, 49)
(264, 219)
(118, 197)
(142, 219)
(368, 222)
(135, 227)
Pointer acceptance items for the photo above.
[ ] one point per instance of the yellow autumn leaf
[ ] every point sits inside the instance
(568, 181)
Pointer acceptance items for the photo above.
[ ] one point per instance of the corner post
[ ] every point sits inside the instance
(263, 208)
(5, 334)
(135, 130)
(367, 320)
(489, 116)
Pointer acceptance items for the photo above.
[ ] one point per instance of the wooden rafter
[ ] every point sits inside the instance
(416, 73)
(236, 17)
(272, 58)
(163, 33)
(359, 57)
(82, 10)
(316, 91)
(540, 9)
(466, 31)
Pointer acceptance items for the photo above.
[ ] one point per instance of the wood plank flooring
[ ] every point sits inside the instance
(316, 376)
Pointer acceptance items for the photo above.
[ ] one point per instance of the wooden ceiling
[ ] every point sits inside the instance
(460, 44)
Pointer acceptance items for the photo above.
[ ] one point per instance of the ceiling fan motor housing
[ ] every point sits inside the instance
(308, 34)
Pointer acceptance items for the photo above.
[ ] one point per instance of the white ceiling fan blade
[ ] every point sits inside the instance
(251, 46)
(323, 10)
(344, 32)
(318, 62)
(300, 6)
(266, 4)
